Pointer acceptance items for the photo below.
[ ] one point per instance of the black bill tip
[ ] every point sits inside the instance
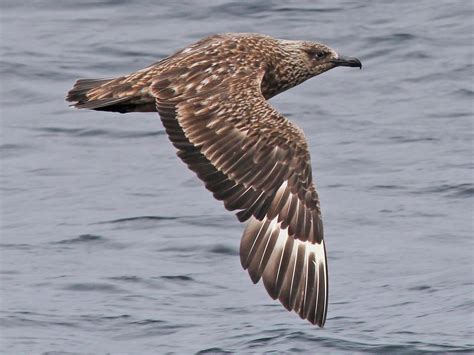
(343, 61)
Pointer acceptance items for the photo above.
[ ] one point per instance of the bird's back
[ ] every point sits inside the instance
(220, 55)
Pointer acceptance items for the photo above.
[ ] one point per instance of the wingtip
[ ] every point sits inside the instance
(295, 272)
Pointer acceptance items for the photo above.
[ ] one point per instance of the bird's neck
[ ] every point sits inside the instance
(282, 73)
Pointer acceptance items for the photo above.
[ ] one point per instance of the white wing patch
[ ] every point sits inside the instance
(294, 271)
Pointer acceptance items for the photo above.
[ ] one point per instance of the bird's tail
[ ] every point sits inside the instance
(116, 95)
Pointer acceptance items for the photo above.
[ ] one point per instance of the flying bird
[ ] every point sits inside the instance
(212, 100)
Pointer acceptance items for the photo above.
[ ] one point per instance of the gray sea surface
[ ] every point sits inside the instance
(110, 245)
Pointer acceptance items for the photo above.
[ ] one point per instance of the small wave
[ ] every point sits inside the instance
(459, 190)
(377, 53)
(338, 344)
(180, 249)
(33, 320)
(126, 278)
(7, 147)
(420, 288)
(138, 219)
(387, 210)
(120, 316)
(147, 322)
(224, 249)
(214, 350)
(151, 328)
(403, 139)
(97, 4)
(457, 114)
(335, 186)
(100, 318)
(16, 246)
(392, 38)
(210, 221)
(86, 132)
(238, 8)
(388, 187)
(92, 286)
(83, 238)
(10, 150)
(177, 277)
(288, 9)
(427, 214)
(120, 50)
(418, 54)
(464, 92)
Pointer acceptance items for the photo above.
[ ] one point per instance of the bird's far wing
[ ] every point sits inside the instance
(257, 162)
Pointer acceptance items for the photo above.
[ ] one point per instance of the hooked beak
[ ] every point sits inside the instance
(343, 61)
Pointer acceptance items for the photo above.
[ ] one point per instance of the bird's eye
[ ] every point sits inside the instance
(319, 55)
(316, 53)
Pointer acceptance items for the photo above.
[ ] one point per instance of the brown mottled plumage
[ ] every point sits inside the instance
(211, 97)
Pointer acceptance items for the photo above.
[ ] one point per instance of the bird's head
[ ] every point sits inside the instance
(321, 58)
(314, 58)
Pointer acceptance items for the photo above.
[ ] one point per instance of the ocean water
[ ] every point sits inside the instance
(109, 245)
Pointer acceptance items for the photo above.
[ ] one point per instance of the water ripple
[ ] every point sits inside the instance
(93, 132)
(92, 287)
(464, 190)
(224, 250)
(138, 219)
(214, 350)
(83, 238)
(177, 278)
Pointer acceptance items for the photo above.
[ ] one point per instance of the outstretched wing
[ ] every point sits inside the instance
(257, 162)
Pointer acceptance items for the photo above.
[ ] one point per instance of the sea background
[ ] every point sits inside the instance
(110, 245)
